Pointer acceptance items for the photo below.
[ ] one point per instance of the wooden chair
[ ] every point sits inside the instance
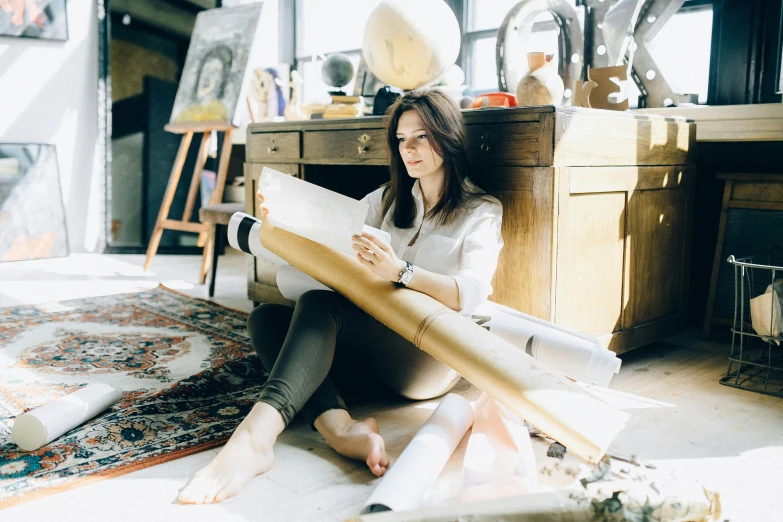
(216, 217)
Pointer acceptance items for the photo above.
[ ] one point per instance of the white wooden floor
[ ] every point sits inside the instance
(731, 440)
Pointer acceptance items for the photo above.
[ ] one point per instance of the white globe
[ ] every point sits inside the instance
(410, 43)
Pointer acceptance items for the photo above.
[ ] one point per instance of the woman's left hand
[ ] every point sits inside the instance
(378, 256)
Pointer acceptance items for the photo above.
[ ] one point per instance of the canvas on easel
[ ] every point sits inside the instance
(216, 67)
(222, 49)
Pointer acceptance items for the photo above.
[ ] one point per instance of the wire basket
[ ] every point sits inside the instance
(755, 360)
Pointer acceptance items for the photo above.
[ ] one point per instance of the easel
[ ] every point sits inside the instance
(186, 225)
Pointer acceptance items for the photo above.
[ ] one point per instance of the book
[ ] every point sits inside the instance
(339, 98)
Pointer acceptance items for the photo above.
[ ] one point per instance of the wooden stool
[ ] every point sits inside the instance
(216, 217)
(743, 190)
(185, 224)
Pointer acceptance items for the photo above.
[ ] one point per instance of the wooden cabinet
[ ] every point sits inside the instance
(597, 208)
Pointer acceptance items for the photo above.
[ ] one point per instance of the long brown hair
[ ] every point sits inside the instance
(446, 135)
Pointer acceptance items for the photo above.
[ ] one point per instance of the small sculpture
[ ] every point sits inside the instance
(541, 85)
(293, 111)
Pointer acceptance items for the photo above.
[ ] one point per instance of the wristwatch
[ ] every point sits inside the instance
(406, 275)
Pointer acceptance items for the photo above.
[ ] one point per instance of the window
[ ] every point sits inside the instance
(681, 49)
(324, 27)
(484, 17)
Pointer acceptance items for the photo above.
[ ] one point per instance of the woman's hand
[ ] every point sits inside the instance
(263, 211)
(378, 256)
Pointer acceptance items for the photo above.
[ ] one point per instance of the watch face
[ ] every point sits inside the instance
(407, 277)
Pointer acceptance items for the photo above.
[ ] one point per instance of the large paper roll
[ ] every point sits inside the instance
(42, 425)
(530, 388)
(404, 485)
(573, 354)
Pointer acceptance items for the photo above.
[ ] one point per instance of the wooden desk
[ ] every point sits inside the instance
(597, 207)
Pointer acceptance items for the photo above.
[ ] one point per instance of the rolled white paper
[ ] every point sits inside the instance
(244, 234)
(42, 425)
(499, 450)
(574, 354)
(405, 484)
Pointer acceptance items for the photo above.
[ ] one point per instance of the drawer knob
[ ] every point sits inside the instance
(484, 147)
(271, 150)
(363, 149)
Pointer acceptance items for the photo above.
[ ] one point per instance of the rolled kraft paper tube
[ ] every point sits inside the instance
(584, 424)
(575, 355)
(42, 425)
(405, 484)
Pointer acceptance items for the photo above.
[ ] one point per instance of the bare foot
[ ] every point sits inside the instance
(358, 440)
(246, 454)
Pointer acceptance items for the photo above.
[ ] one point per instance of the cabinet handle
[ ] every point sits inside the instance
(363, 149)
(484, 147)
(271, 150)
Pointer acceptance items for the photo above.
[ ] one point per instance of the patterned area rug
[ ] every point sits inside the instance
(186, 368)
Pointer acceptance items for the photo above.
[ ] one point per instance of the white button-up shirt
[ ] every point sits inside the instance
(466, 249)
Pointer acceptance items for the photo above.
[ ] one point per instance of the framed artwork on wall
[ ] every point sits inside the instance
(44, 19)
(32, 215)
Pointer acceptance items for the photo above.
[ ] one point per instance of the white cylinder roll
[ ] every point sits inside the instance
(244, 235)
(405, 484)
(42, 425)
(576, 355)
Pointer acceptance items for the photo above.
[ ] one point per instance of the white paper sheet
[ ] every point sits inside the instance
(405, 484)
(311, 211)
(39, 427)
(499, 450)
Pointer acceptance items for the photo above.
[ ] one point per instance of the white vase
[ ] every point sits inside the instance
(541, 85)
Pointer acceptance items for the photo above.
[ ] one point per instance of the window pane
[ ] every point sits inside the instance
(682, 51)
(485, 73)
(267, 32)
(330, 26)
(315, 90)
(488, 14)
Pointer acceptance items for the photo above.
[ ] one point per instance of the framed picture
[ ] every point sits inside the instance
(32, 215)
(213, 78)
(45, 19)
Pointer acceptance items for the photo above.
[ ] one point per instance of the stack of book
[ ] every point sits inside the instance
(344, 106)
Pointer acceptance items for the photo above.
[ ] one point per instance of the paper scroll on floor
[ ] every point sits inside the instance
(405, 484)
(530, 388)
(42, 425)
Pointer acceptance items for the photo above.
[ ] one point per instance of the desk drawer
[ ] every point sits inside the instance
(345, 146)
(272, 147)
(504, 143)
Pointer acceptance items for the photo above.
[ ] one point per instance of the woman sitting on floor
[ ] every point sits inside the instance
(445, 243)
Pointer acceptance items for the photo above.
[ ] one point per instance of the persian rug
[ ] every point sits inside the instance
(186, 368)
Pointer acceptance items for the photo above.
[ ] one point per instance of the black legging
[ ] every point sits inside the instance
(298, 346)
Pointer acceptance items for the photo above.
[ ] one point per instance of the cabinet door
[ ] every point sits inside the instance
(623, 252)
